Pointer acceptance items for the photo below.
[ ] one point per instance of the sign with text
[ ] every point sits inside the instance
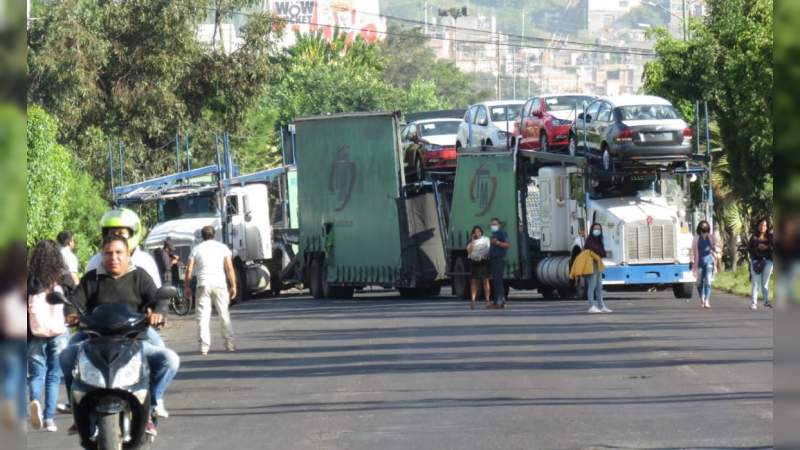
(352, 17)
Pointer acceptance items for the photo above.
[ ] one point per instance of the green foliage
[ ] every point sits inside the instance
(421, 96)
(738, 282)
(135, 71)
(728, 62)
(12, 172)
(60, 194)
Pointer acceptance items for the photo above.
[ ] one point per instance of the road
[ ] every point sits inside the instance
(378, 372)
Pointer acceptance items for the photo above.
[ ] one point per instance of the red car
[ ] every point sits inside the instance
(429, 145)
(546, 119)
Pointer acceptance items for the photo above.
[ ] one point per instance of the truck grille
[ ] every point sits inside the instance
(650, 243)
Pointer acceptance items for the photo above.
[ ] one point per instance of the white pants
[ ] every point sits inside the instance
(219, 296)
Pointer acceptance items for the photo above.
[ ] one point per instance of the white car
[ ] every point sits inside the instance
(489, 123)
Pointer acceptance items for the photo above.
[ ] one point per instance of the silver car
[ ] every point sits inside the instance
(489, 123)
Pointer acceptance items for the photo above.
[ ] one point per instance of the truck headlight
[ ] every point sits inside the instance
(129, 373)
(88, 373)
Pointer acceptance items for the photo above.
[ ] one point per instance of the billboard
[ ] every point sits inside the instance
(352, 17)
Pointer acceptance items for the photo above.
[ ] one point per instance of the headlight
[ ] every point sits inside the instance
(561, 122)
(88, 373)
(434, 147)
(502, 134)
(128, 374)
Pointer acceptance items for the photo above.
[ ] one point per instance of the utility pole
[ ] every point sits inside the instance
(683, 4)
(497, 55)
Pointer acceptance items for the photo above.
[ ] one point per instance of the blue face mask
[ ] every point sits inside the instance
(596, 233)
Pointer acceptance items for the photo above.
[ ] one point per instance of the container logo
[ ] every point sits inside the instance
(342, 178)
(482, 190)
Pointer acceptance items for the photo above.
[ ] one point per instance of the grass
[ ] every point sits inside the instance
(738, 282)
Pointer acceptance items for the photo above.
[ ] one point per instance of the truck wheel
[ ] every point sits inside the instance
(573, 144)
(275, 285)
(543, 144)
(461, 282)
(433, 291)
(340, 292)
(411, 293)
(419, 170)
(683, 290)
(547, 292)
(242, 295)
(108, 432)
(315, 278)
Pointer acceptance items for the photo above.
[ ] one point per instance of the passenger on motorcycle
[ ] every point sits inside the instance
(119, 281)
(126, 223)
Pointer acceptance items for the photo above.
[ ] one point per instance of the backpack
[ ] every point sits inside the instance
(45, 320)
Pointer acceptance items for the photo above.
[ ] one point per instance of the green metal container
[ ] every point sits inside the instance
(353, 207)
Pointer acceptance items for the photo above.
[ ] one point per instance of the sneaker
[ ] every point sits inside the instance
(50, 425)
(72, 430)
(230, 347)
(150, 429)
(594, 310)
(753, 307)
(204, 351)
(64, 408)
(767, 305)
(606, 309)
(160, 411)
(35, 414)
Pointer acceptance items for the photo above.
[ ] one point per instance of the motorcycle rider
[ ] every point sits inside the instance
(126, 223)
(116, 280)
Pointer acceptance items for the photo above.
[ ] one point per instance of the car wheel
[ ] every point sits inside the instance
(419, 170)
(573, 144)
(516, 145)
(458, 147)
(488, 143)
(543, 146)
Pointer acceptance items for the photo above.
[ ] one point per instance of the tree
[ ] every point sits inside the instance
(134, 71)
(727, 62)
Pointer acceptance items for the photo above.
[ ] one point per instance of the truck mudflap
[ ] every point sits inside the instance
(648, 274)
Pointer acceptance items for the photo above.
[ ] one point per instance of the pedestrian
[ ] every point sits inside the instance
(118, 281)
(704, 261)
(761, 248)
(478, 254)
(213, 264)
(67, 242)
(170, 260)
(787, 252)
(497, 262)
(13, 351)
(589, 265)
(47, 334)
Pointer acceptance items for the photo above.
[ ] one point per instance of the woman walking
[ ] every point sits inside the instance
(704, 261)
(761, 247)
(478, 252)
(589, 265)
(47, 334)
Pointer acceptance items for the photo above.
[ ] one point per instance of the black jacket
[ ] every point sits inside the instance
(135, 288)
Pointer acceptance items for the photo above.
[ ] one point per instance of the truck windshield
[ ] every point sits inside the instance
(187, 207)
(665, 189)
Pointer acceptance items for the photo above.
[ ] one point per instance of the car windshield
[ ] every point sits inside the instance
(568, 102)
(438, 128)
(187, 207)
(647, 112)
(499, 112)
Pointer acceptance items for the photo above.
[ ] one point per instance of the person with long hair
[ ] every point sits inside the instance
(47, 333)
(704, 261)
(760, 247)
(589, 265)
(478, 254)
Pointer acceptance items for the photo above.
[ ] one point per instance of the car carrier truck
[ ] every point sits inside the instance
(548, 201)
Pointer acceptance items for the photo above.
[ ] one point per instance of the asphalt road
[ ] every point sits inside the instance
(378, 372)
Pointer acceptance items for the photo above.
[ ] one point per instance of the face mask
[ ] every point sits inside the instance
(495, 228)
(704, 231)
(596, 233)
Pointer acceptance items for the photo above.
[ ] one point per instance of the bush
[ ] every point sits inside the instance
(61, 195)
(738, 282)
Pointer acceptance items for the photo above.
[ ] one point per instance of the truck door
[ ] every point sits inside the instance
(256, 217)
(577, 205)
(236, 232)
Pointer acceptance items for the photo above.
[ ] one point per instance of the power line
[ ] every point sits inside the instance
(601, 49)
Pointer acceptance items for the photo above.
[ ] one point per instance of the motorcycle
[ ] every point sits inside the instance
(110, 392)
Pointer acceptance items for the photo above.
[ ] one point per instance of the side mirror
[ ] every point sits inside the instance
(248, 217)
(580, 116)
(538, 114)
(588, 118)
(483, 122)
(166, 292)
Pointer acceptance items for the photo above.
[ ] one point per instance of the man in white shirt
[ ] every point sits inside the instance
(67, 242)
(216, 282)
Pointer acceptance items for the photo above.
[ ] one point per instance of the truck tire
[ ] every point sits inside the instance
(433, 291)
(547, 292)
(108, 432)
(242, 294)
(461, 282)
(411, 293)
(315, 278)
(683, 290)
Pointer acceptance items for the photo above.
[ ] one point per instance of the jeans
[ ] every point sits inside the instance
(760, 282)
(705, 272)
(219, 297)
(594, 287)
(497, 266)
(12, 374)
(44, 371)
(163, 362)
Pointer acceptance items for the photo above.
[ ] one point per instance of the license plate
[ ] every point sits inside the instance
(657, 137)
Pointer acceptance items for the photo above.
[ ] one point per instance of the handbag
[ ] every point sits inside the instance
(44, 319)
(758, 265)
